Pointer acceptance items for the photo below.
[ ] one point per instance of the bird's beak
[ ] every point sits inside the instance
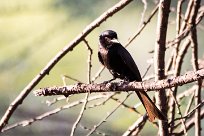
(114, 41)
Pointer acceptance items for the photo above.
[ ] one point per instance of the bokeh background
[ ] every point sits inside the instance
(32, 32)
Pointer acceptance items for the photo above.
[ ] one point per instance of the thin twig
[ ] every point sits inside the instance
(187, 16)
(143, 12)
(190, 113)
(188, 108)
(169, 63)
(74, 79)
(194, 43)
(178, 65)
(186, 93)
(147, 70)
(87, 94)
(190, 124)
(102, 102)
(167, 74)
(179, 112)
(178, 25)
(134, 129)
(185, 32)
(55, 100)
(126, 106)
(143, 26)
(89, 59)
(50, 113)
(98, 74)
(96, 131)
(108, 115)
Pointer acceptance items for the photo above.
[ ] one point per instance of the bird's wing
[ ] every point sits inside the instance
(128, 60)
(149, 105)
(100, 58)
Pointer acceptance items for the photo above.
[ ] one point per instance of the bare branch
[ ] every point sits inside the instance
(89, 60)
(74, 79)
(55, 100)
(47, 114)
(87, 94)
(177, 70)
(102, 102)
(185, 32)
(194, 43)
(98, 74)
(178, 63)
(190, 124)
(159, 58)
(190, 113)
(179, 112)
(96, 131)
(108, 115)
(189, 77)
(188, 108)
(126, 106)
(143, 12)
(142, 26)
(186, 93)
(136, 127)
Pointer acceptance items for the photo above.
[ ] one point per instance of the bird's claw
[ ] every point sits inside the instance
(106, 82)
(123, 82)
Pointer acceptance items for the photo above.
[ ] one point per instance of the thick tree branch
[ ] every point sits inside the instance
(159, 58)
(189, 77)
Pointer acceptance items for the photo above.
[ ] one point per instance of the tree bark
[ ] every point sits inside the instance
(160, 47)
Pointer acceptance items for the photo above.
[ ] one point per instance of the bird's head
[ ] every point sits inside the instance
(107, 38)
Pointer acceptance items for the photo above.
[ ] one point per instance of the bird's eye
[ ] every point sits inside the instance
(106, 37)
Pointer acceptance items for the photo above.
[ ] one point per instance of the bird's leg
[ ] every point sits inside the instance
(105, 82)
(123, 82)
(64, 83)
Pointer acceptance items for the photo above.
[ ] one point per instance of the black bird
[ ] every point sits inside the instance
(121, 65)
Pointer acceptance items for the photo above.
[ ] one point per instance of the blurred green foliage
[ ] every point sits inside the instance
(32, 32)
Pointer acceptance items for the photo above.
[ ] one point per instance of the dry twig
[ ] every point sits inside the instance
(50, 113)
